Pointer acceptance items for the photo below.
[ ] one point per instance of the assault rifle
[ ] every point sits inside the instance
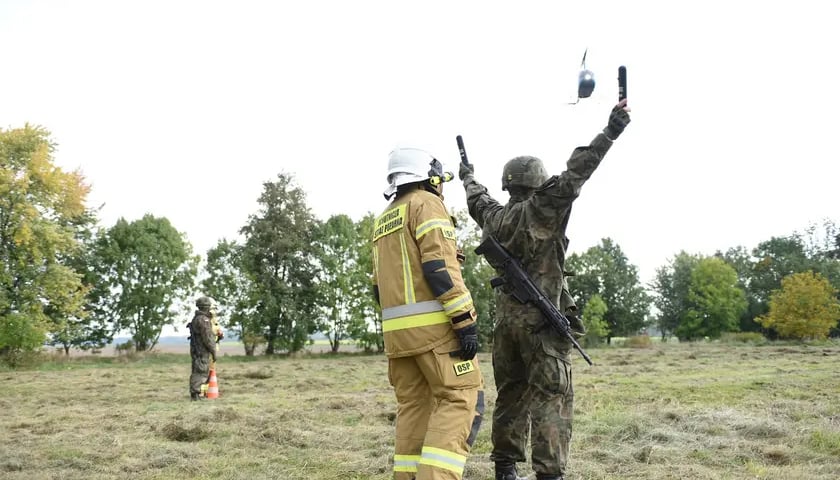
(523, 289)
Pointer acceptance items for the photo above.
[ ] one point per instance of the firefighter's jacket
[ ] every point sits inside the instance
(417, 276)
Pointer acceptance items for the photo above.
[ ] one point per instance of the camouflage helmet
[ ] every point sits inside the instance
(525, 172)
(205, 303)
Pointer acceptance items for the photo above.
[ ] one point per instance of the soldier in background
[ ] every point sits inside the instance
(532, 365)
(202, 345)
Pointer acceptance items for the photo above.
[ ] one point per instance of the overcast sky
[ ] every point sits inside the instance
(183, 109)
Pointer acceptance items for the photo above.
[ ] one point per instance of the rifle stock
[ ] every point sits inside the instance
(524, 290)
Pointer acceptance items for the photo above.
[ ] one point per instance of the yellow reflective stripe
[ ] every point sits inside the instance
(422, 320)
(406, 463)
(458, 303)
(430, 225)
(437, 457)
(408, 281)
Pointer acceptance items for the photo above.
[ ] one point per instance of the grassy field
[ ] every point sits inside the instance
(705, 411)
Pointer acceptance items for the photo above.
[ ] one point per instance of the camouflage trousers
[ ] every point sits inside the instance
(200, 371)
(534, 384)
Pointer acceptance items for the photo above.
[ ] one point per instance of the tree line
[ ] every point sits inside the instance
(67, 282)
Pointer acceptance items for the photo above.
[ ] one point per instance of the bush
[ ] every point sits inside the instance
(752, 338)
(126, 347)
(639, 341)
(21, 336)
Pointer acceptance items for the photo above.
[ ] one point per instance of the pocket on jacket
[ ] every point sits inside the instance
(456, 373)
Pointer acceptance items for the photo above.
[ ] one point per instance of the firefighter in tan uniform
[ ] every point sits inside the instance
(428, 322)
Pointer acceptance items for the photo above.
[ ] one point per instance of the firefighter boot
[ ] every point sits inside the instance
(550, 477)
(507, 471)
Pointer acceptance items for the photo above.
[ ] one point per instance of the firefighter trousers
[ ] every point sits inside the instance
(440, 403)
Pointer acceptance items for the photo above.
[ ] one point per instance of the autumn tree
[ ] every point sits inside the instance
(279, 257)
(806, 307)
(39, 205)
(146, 268)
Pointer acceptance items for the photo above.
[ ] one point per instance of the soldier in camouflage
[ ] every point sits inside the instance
(531, 364)
(202, 345)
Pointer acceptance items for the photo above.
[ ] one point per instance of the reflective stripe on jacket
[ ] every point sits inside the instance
(418, 275)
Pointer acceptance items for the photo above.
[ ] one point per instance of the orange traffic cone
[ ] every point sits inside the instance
(213, 386)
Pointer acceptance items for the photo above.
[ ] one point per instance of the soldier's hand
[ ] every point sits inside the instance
(465, 170)
(619, 118)
(578, 329)
(468, 338)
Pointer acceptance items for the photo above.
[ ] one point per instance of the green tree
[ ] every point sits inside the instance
(714, 303)
(278, 256)
(806, 307)
(230, 285)
(39, 204)
(742, 261)
(145, 267)
(337, 253)
(367, 333)
(78, 328)
(671, 286)
(595, 322)
(606, 271)
(820, 243)
(477, 274)
(775, 259)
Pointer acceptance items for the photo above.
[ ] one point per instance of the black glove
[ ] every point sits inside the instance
(465, 170)
(576, 326)
(468, 338)
(617, 122)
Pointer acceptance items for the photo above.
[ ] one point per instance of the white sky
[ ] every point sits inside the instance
(183, 109)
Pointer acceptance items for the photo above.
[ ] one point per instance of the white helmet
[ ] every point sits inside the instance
(409, 165)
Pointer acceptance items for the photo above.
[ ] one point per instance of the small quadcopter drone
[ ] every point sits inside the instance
(586, 81)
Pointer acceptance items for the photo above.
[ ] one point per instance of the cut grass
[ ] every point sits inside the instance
(705, 411)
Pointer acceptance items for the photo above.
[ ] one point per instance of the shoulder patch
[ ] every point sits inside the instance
(448, 233)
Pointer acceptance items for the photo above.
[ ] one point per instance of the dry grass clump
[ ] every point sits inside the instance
(259, 374)
(180, 433)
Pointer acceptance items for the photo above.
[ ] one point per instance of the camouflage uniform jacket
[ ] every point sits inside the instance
(534, 229)
(202, 338)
